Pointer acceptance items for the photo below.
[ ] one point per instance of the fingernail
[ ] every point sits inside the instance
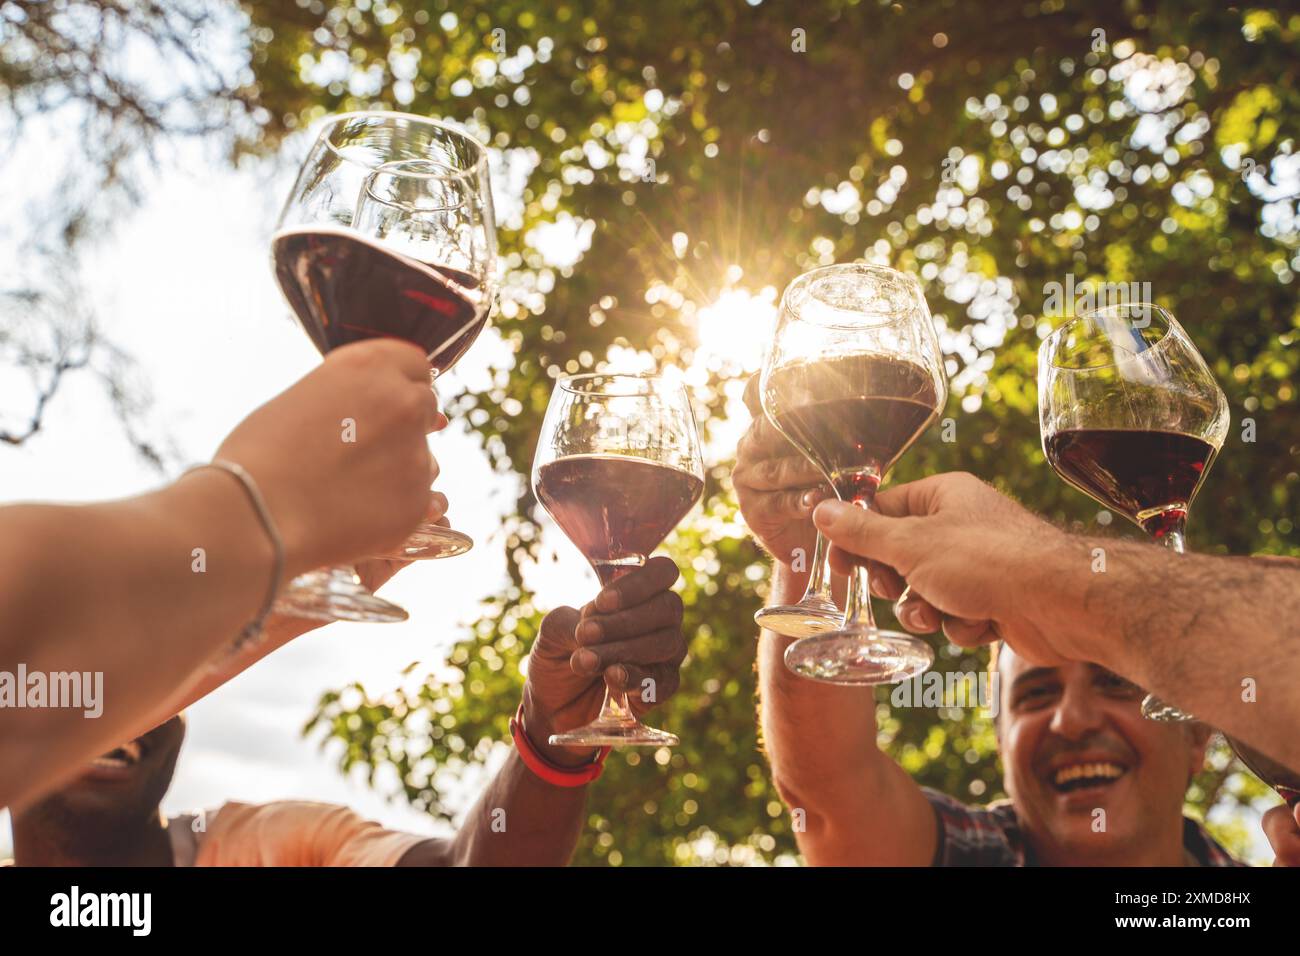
(585, 660)
(607, 601)
(830, 512)
(618, 675)
(809, 499)
(588, 632)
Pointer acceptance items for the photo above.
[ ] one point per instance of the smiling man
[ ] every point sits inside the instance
(1090, 781)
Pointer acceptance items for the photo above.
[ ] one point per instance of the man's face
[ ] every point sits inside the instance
(114, 792)
(1073, 742)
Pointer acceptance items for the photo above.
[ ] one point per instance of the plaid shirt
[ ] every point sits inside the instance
(991, 836)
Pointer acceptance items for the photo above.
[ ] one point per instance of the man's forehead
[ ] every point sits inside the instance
(1010, 667)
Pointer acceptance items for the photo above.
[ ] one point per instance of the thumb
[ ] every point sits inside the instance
(859, 531)
(556, 637)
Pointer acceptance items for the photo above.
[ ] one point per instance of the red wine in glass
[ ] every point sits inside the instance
(616, 510)
(853, 416)
(1131, 415)
(345, 288)
(617, 466)
(1150, 477)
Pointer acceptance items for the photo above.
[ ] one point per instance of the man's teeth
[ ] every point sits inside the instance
(1087, 772)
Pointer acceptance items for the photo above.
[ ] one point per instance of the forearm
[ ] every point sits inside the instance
(1199, 631)
(112, 590)
(851, 804)
(520, 820)
(279, 632)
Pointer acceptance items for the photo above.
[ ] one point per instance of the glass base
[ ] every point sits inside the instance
(1153, 708)
(335, 594)
(430, 541)
(800, 620)
(606, 732)
(859, 656)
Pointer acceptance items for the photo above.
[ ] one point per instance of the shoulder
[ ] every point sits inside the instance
(975, 836)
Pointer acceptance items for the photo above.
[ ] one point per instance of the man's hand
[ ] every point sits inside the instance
(967, 556)
(1282, 827)
(776, 485)
(629, 636)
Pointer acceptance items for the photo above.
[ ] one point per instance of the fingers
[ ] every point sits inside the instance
(405, 356)
(762, 440)
(664, 646)
(662, 610)
(867, 534)
(885, 581)
(753, 400)
(917, 614)
(437, 509)
(646, 687)
(778, 474)
(556, 636)
(434, 468)
(635, 587)
(774, 508)
(966, 633)
(1282, 827)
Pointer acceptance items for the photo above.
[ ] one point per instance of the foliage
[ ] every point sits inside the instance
(86, 73)
(713, 146)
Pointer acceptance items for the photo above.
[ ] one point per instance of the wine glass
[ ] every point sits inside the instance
(852, 377)
(617, 466)
(815, 612)
(1131, 415)
(388, 231)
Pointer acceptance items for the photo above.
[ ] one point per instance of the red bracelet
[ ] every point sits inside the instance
(539, 765)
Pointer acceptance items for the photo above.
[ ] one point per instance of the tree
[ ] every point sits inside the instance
(993, 149)
(87, 72)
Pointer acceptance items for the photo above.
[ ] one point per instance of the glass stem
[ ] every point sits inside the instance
(857, 610)
(819, 583)
(1175, 540)
(615, 707)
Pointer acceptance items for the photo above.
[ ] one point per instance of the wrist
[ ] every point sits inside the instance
(538, 726)
(1071, 589)
(218, 517)
(787, 585)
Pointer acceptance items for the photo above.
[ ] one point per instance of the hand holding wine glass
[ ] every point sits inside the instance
(629, 639)
(777, 489)
(388, 232)
(378, 485)
(617, 466)
(1131, 415)
(853, 376)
